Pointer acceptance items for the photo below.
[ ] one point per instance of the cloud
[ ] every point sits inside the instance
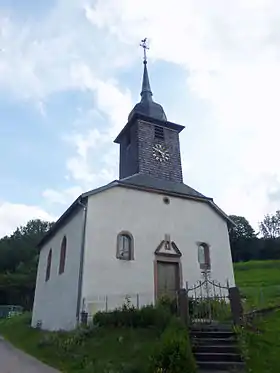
(14, 215)
(67, 196)
(113, 106)
(229, 53)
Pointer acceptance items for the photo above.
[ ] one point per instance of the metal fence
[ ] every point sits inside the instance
(209, 302)
(114, 301)
(9, 311)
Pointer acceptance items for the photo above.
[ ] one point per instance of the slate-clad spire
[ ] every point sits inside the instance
(146, 93)
(147, 106)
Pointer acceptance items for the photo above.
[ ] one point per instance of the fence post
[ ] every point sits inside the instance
(84, 318)
(236, 305)
(183, 306)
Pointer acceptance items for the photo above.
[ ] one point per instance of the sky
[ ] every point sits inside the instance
(70, 73)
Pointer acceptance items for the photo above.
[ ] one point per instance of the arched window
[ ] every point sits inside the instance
(125, 249)
(204, 256)
(62, 255)
(49, 264)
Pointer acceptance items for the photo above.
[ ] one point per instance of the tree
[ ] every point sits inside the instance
(242, 228)
(18, 263)
(243, 239)
(270, 226)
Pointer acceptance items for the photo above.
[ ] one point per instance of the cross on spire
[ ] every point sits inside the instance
(144, 45)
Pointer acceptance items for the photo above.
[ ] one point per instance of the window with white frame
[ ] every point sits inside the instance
(204, 256)
(125, 246)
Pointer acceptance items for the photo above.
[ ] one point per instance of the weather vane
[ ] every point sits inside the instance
(144, 45)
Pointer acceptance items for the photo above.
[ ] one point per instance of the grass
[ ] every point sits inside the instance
(120, 350)
(107, 349)
(261, 347)
(259, 281)
(258, 273)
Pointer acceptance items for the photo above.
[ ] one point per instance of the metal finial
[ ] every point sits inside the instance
(144, 45)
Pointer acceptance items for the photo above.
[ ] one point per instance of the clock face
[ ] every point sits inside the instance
(160, 153)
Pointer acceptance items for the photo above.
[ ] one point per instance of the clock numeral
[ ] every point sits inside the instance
(160, 152)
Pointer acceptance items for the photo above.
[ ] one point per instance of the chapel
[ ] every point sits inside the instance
(144, 235)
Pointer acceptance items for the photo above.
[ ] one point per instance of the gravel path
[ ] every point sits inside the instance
(13, 360)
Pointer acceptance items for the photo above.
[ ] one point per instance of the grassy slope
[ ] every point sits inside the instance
(262, 346)
(260, 282)
(106, 350)
(258, 273)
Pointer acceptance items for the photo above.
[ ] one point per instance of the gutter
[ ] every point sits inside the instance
(81, 269)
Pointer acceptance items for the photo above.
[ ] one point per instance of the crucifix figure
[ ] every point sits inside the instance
(144, 45)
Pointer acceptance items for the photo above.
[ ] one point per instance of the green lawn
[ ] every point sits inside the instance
(105, 350)
(259, 281)
(120, 350)
(258, 273)
(261, 347)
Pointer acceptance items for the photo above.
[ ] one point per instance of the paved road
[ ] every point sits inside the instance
(13, 360)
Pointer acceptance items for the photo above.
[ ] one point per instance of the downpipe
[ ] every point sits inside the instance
(81, 268)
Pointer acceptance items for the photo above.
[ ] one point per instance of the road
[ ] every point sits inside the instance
(13, 360)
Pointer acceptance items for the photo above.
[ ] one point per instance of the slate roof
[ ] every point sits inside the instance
(146, 181)
(140, 182)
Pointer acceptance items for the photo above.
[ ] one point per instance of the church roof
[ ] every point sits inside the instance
(166, 186)
(140, 182)
(147, 106)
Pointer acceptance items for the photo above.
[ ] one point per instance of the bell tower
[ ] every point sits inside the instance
(149, 143)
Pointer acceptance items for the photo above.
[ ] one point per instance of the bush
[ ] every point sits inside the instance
(173, 353)
(148, 316)
(212, 308)
(169, 303)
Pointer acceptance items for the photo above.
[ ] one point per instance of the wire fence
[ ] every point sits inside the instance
(254, 298)
(114, 301)
(7, 311)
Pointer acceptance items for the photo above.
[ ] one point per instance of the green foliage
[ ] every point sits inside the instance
(242, 228)
(173, 353)
(86, 349)
(260, 344)
(243, 239)
(128, 316)
(169, 303)
(270, 226)
(259, 283)
(18, 263)
(260, 340)
(217, 309)
(245, 244)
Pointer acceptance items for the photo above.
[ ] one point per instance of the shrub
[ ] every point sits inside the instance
(169, 303)
(214, 308)
(148, 316)
(173, 353)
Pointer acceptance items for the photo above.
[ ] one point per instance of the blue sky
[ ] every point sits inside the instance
(70, 72)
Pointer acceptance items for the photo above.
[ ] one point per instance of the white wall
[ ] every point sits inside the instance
(55, 301)
(148, 219)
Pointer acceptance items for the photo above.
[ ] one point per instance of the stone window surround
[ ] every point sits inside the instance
(207, 264)
(128, 234)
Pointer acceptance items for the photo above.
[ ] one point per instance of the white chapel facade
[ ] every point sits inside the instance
(141, 236)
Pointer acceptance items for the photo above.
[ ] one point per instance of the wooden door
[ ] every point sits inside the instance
(167, 279)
